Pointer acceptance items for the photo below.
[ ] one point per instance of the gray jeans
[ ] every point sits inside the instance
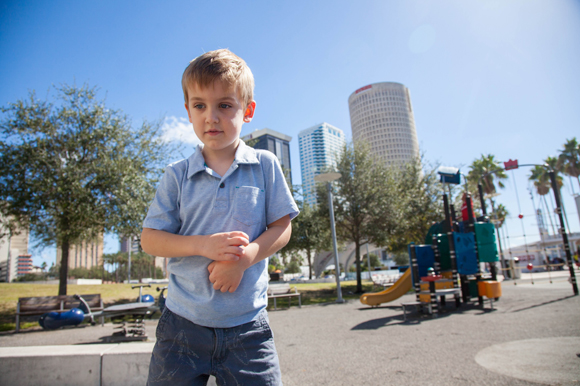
(187, 354)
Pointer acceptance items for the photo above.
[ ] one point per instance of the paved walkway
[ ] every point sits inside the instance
(531, 338)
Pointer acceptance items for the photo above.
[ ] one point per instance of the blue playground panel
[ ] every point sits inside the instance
(465, 253)
(425, 258)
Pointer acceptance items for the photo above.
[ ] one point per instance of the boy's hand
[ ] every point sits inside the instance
(226, 275)
(227, 246)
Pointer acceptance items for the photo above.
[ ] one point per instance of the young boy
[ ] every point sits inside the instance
(218, 215)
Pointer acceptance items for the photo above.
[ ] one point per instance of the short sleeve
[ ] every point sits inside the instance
(163, 213)
(279, 200)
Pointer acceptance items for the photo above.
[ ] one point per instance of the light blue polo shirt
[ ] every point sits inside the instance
(194, 200)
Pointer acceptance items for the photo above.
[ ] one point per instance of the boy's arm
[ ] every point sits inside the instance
(227, 246)
(226, 276)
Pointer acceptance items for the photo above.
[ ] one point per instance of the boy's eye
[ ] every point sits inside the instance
(225, 106)
(198, 106)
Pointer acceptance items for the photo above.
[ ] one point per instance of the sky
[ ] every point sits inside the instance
(485, 77)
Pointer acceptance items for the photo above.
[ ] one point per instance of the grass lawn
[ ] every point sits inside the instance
(312, 293)
(110, 293)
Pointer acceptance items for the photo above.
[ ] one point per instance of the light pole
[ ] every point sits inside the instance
(328, 178)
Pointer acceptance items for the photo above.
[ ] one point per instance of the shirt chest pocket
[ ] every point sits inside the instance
(249, 205)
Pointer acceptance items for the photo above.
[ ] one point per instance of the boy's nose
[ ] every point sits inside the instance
(211, 116)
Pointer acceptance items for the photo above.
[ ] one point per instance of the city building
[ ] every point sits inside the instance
(125, 244)
(538, 253)
(84, 254)
(275, 142)
(320, 147)
(11, 247)
(381, 115)
(24, 263)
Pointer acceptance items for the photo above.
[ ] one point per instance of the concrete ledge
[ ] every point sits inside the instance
(126, 364)
(92, 364)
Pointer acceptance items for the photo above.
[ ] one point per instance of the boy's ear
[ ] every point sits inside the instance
(188, 114)
(249, 113)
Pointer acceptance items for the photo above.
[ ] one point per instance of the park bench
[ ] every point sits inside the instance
(40, 305)
(276, 291)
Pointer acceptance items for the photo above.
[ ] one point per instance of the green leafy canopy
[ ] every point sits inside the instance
(73, 168)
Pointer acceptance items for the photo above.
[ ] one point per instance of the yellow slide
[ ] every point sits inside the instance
(401, 287)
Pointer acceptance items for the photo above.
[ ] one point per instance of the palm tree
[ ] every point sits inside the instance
(487, 166)
(569, 159)
(500, 215)
(541, 179)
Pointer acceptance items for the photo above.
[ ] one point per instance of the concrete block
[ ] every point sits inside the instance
(127, 364)
(52, 365)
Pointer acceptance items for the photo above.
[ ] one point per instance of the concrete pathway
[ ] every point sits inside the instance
(531, 338)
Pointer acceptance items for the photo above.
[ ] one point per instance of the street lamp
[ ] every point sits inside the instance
(328, 178)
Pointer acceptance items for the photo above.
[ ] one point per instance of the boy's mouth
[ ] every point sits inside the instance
(213, 132)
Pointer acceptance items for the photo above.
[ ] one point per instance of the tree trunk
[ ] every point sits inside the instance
(308, 252)
(63, 276)
(359, 289)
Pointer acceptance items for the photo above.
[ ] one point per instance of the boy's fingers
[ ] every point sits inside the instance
(239, 240)
(240, 236)
(231, 257)
(211, 267)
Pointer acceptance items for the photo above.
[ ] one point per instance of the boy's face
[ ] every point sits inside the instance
(217, 113)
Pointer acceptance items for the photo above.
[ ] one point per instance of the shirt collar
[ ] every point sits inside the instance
(244, 155)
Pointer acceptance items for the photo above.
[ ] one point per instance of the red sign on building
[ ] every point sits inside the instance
(363, 88)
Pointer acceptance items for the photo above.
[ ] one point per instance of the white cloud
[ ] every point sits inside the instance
(179, 129)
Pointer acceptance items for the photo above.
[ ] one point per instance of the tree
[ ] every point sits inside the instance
(569, 159)
(418, 203)
(363, 203)
(541, 180)
(401, 257)
(375, 262)
(486, 166)
(310, 233)
(73, 168)
(500, 215)
(142, 266)
(293, 267)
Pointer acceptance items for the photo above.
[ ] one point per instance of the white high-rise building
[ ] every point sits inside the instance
(382, 116)
(320, 147)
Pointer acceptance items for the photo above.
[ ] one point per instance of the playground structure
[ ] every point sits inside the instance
(449, 263)
(452, 254)
(129, 330)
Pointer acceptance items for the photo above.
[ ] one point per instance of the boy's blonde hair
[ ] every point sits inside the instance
(222, 65)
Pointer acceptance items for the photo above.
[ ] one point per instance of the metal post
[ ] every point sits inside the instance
(129, 265)
(332, 226)
(481, 200)
(415, 272)
(369, 262)
(449, 229)
(569, 260)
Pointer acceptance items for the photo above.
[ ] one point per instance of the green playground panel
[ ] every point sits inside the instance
(484, 233)
(473, 290)
(433, 230)
(487, 253)
(445, 256)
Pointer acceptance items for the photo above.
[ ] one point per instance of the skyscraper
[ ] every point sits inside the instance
(320, 146)
(275, 142)
(382, 116)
